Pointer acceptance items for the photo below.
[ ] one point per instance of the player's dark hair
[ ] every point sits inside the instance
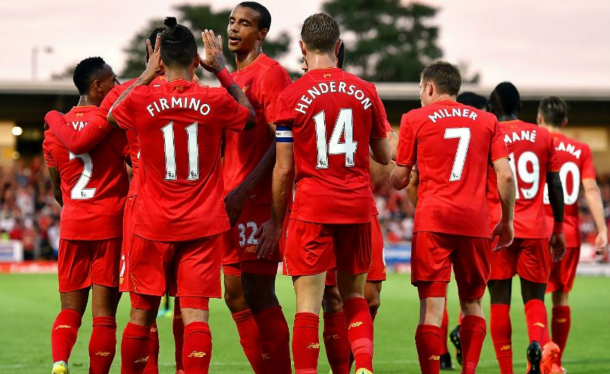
(320, 32)
(341, 56)
(446, 77)
(153, 39)
(554, 110)
(178, 46)
(472, 99)
(86, 72)
(505, 100)
(264, 17)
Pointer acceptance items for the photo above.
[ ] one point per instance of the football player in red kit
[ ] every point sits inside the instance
(93, 189)
(248, 163)
(576, 167)
(326, 122)
(179, 220)
(534, 163)
(446, 130)
(83, 141)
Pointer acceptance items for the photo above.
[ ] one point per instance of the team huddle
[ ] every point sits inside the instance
(230, 182)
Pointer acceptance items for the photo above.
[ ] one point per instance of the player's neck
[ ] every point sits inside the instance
(317, 61)
(174, 75)
(244, 60)
(444, 97)
(86, 100)
(552, 129)
(507, 117)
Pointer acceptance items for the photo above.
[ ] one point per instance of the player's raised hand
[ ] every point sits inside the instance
(154, 67)
(558, 246)
(268, 236)
(504, 232)
(214, 60)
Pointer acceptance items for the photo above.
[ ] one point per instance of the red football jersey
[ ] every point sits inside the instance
(93, 184)
(333, 116)
(532, 156)
(453, 145)
(262, 81)
(179, 126)
(575, 163)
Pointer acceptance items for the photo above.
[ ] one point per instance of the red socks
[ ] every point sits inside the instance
(444, 329)
(152, 366)
(306, 343)
(428, 343)
(537, 325)
(135, 349)
(360, 331)
(472, 335)
(249, 339)
(197, 350)
(275, 342)
(102, 346)
(337, 345)
(178, 330)
(63, 336)
(560, 326)
(501, 332)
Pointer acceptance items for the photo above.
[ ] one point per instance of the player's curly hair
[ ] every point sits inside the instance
(320, 32)
(264, 17)
(472, 99)
(554, 110)
(505, 100)
(178, 46)
(86, 72)
(446, 77)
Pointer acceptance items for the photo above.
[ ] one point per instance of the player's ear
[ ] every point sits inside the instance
(539, 119)
(565, 122)
(338, 46)
(430, 88)
(302, 46)
(262, 34)
(196, 61)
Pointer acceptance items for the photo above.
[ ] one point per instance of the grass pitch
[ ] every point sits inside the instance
(29, 304)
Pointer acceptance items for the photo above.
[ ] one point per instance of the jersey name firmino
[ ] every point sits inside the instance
(331, 87)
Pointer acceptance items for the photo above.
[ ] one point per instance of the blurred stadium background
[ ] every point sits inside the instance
(387, 42)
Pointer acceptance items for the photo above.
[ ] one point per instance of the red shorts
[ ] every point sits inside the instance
(239, 244)
(433, 254)
(127, 234)
(564, 271)
(187, 269)
(530, 258)
(313, 248)
(377, 272)
(82, 263)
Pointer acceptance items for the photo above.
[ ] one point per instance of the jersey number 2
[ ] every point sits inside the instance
(79, 191)
(344, 125)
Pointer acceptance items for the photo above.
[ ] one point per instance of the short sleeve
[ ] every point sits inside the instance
(229, 112)
(380, 119)
(272, 83)
(110, 99)
(498, 146)
(552, 164)
(407, 143)
(284, 113)
(123, 113)
(46, 149)
(587, 167)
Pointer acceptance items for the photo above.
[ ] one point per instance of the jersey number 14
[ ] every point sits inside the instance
(344, 125)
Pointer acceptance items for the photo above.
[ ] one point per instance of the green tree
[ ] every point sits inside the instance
(197, 17)
(385, 40)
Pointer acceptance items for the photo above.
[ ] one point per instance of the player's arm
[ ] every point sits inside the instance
(557, 240)
(82, 141)
(413, 187)
(393, 140)
(596, 206)
(153, 70)
(507, 192)
(56, 185)
(381, 151)
(283, 177)
(214, 62)
(400, 176)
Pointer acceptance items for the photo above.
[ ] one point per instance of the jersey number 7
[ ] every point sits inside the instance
(462, 133)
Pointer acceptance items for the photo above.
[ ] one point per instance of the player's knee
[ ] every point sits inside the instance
(500, 291)
(332, 302)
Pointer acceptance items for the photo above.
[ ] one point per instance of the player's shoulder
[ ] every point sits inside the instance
(268, 68)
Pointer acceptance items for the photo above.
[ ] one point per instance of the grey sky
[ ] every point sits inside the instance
(548, 43)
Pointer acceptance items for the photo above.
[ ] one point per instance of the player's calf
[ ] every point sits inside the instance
(135, 345)
(197, 346)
